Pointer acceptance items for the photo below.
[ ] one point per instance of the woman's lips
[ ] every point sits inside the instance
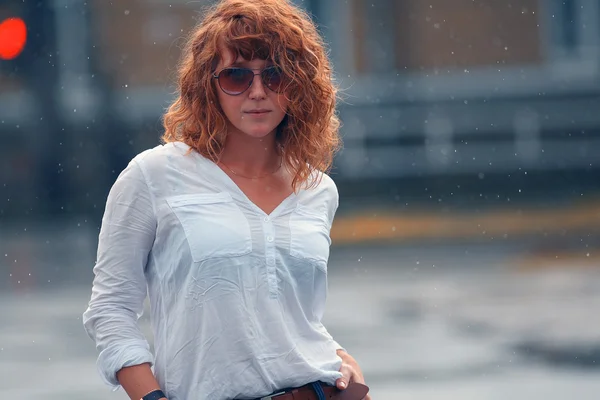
(257, 113)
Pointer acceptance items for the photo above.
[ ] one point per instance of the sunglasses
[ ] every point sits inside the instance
(235, 81)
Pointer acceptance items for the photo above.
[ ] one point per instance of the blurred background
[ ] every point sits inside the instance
(466, 247)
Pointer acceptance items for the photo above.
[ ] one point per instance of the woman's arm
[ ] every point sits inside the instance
(119, 289)
(137, 380)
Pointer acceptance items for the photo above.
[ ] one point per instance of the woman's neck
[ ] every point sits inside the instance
(251, 156)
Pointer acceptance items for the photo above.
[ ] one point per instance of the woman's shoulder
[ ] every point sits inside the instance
(161, 152)
(324, 194)
(322, 181)
(167, 156)
(331, 188)
(320, 189)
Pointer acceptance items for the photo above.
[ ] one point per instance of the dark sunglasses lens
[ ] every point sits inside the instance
(273, 78)
(235, 80)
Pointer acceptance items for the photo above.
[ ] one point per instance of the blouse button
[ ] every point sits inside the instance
(269, 239)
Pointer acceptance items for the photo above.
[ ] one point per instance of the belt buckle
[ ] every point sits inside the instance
(272, 396)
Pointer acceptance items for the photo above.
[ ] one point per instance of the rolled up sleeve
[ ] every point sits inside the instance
(119, 287)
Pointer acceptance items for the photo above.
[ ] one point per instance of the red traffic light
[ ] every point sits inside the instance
(13, 35)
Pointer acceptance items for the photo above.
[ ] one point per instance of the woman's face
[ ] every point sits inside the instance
(257, 111)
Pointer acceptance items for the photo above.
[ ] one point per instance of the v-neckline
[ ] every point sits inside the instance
(235, 187)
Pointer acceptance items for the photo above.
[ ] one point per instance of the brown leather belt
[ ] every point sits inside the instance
(307, 392)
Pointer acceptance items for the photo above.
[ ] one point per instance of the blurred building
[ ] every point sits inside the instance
(430, 89)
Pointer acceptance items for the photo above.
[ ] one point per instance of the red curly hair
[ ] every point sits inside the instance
(273, 30)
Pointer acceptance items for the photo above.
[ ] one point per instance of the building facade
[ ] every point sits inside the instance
(428, 88)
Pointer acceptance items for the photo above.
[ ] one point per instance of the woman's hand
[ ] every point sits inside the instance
(351, 372)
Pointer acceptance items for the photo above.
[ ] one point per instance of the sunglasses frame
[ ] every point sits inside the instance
(216, 76)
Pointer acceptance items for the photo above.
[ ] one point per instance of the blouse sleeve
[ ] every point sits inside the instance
(119, 287)
(334, 202)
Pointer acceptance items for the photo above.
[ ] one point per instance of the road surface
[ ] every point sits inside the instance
(455, 321)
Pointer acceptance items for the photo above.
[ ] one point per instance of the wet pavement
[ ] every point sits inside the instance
(444, 321)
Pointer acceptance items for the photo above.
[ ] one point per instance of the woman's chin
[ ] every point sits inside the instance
(258, 133)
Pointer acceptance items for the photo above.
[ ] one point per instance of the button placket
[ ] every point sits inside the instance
(270, 255)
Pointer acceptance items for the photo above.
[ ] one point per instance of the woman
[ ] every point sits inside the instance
(226, 225)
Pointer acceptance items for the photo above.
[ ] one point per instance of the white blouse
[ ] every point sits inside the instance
(236, 295)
